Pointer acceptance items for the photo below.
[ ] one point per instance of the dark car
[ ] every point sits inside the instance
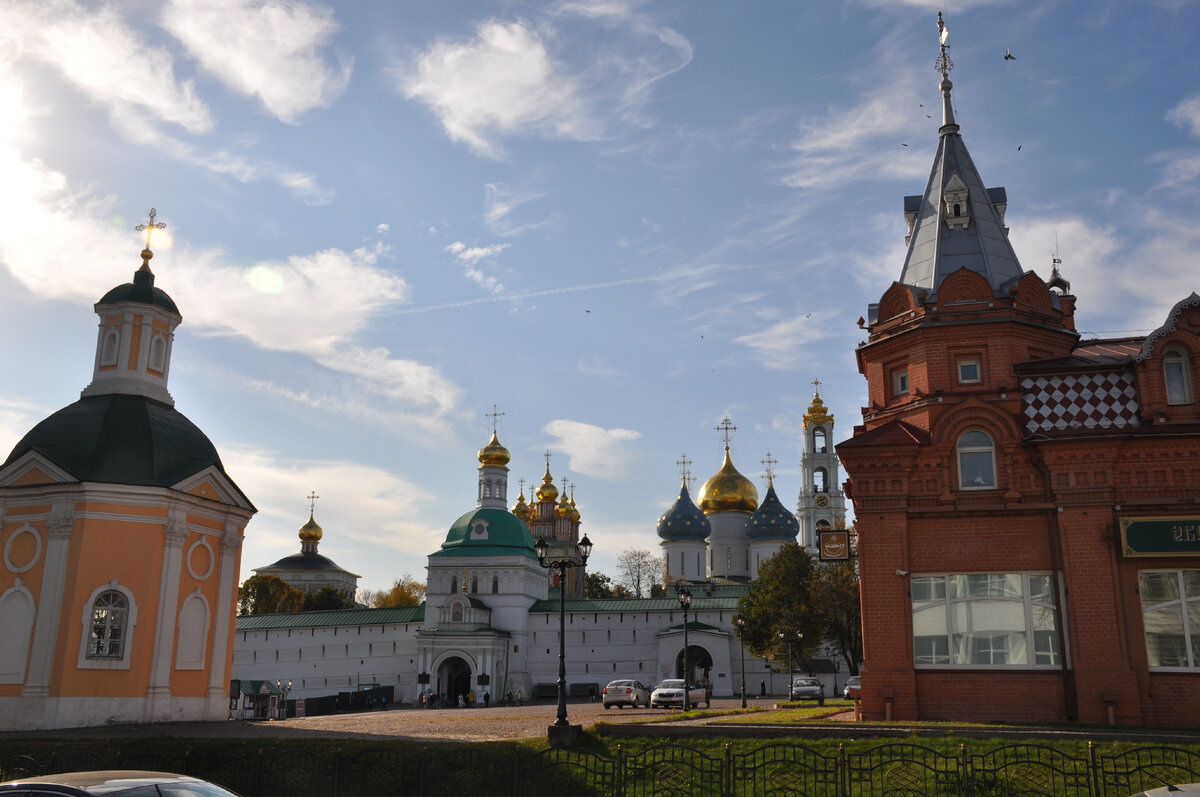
(853, 687)
(113, 783)
(807, 689)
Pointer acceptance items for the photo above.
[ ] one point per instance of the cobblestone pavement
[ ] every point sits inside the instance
(448, 724)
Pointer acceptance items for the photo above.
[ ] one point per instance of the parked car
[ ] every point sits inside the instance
(626, 693)
(853, 687)
(114, 783)
(807, 689)
(670, 693)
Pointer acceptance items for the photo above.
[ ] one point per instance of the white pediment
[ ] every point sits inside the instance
(33, 469)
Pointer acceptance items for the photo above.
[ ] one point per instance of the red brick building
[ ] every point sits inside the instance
(1027, 502)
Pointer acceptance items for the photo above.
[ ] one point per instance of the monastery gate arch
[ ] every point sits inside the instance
(699, 663)
(453, 678)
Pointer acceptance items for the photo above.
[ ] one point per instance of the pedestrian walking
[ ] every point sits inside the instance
(487, 700)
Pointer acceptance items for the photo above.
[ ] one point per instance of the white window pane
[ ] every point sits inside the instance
(1157, 587)
(1176, 375)
(928, 588)
(1041, 589)
(1165, 645)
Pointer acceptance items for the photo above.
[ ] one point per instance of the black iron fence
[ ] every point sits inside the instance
(894, 770)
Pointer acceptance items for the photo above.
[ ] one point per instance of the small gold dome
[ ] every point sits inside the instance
(546, 491)
(493, 454)
(574, 509)
(310, 531)
(728, 491)
(817, 413)
(564, 506)
(522, 509)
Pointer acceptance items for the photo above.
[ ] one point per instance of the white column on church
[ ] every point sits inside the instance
(222, 620)
(159, 689)
(49, 608)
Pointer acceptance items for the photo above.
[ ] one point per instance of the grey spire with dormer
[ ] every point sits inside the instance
(957, 222)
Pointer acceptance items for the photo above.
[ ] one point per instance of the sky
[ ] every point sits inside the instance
(616, 222)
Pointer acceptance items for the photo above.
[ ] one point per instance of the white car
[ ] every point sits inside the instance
(626, 693)
(807, 689)
(670, 693)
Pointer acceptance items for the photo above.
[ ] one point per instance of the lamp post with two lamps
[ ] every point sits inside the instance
(784, 637)
(541, 548)
(284, 689)
(685, 602)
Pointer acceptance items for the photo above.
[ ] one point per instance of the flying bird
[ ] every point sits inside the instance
(1008, 56)
(1019, 147)
(904, 145)
(927, 116)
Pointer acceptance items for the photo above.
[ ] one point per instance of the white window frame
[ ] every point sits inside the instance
(974, 450)
(88, 662)
(946, 655)
(1183, 601)
(900, 384)
(1179, 383)
(969, 361)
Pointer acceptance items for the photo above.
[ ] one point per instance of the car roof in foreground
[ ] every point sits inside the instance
(119, 781)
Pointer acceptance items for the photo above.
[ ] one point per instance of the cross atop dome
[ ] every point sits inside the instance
(726, 428)
(768, 462)
(149, 228)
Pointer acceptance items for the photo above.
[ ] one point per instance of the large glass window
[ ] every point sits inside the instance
(1178, 377)
(106, 640)
(985, 620)
(976, 462)
(1171, 617)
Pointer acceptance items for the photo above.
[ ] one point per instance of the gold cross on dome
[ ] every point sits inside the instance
(151, 227)
(312, 501)
(547, 459)
(817, 386)
(725, 427)
(769, 464)
(494, 415)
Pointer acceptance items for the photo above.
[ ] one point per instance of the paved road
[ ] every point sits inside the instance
(449, 724)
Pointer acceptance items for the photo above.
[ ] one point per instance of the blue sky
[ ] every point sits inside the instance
(617, 221)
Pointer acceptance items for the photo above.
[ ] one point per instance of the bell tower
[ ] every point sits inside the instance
(822, 504)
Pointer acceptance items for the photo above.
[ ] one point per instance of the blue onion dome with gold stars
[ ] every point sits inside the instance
(311, 531)
(728, 491)
(772, 520)
(546, 491)
(493, 454)
(683, 520)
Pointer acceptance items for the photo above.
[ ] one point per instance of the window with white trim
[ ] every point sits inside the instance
(985, 620)
(110, 611)
(976, 461)
(1178, 377)
(900, 382)
(1171, 618)
(969, 372)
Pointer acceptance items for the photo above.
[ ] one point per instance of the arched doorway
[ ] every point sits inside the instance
(699, 664)
(453, 679)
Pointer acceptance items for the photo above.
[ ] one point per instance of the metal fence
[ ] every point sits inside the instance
(777, 769)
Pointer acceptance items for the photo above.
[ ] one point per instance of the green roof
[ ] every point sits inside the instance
(504, 535)
(388, 616)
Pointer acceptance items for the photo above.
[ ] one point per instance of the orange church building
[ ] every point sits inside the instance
(1026, 500)
(121, 537)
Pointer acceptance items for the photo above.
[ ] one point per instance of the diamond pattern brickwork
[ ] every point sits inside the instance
(1080, 401)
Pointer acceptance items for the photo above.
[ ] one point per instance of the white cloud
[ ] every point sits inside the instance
(469, 257)
(1187, 115)
(500, 204)
(103, 58)
(792, 341)
(498, 83)
(593, 450)
(265, 49)
(382, 228)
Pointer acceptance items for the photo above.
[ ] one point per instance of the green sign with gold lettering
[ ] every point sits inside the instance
(1160, 536)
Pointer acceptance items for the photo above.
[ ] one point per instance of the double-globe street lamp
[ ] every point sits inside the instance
(541, 547)
(783, 637)
(685, 602)
(740, 622)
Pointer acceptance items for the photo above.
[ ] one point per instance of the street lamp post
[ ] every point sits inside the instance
(740, 622)
(562, 566)
(285, 689)
(685, 601)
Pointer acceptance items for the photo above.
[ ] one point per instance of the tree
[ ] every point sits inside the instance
(597, 586)
(267, 594)
(640, 570)
(327, 599)
(838, 595)
(784, 598)
(406, 591)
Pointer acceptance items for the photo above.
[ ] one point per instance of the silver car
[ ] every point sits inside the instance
(626, 693)
(114, 783)
(807, 689)
(670, 693)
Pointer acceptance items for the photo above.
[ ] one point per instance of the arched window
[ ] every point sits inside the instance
(976, 462)
(819, 442)
(158, 353)
(106, 640)
(456, 613)
(1178, 377)
(823, 524)
(474, 585)
(819, 481)
(108, 352)
(453, 585)
(495, 585)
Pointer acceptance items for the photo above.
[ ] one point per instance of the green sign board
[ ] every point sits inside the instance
(1160, 536)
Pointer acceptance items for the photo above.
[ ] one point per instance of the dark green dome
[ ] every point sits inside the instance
(141, 290)
(772, 520)
(488, 532)
(684, 520)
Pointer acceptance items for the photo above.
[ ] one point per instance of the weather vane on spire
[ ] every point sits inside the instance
(495, 416)
(726, 428)
(312, 497)
(769, 463)
(943, 64)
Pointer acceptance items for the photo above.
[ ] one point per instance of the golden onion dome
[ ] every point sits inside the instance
(728, 491)
(574, 510)
(546, 491)
(564, 506)
(493, 454)
(522, 509)
(310, 531)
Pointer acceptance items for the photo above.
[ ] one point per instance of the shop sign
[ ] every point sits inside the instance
(1160, 536)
